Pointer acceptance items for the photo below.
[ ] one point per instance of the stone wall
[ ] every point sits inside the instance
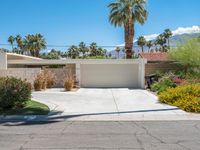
(151, 68)
(28, 74)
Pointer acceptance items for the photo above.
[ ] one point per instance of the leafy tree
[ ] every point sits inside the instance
(149, 45)
(125, 13)
(141, 42)
(73, 52)
(187, 53)
(11, 40)
(167, 34)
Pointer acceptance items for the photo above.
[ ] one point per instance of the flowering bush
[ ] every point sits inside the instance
(186, 97)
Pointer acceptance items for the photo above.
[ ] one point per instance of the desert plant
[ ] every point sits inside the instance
(69, 82)
(50, 79)
(40, 82)
(14, 93)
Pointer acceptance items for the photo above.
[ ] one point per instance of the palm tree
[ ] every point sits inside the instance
(101, 52)
(73, 52)
(20, 43)
(168, 34)
(161, 40)
(118, 50)
(35, 43)
(141, 42)
(40, 43)
(11, 40)
(149, 45)
(126, 13)
(83, 49)
(93, 49)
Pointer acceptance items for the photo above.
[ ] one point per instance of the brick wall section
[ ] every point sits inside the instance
(28, 74)
(152, 68)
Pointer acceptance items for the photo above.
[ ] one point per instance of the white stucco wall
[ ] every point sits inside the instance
(3, 60)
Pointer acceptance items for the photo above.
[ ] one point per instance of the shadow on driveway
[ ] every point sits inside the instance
(56, 117)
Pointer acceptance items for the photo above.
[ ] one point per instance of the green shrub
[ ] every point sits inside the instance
(163, 85)
(14, 93)
(186, 97)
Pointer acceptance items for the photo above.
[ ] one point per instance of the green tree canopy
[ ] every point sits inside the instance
(187, 53)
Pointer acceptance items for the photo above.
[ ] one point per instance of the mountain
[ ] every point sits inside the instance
(173, 42)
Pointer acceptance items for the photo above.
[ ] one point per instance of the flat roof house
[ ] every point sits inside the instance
(116, 73)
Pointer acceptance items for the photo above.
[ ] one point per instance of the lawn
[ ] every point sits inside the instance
(31, 108)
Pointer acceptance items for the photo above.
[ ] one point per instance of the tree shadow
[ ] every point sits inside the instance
(56, 117)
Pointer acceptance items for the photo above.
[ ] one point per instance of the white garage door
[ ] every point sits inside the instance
(109, 75)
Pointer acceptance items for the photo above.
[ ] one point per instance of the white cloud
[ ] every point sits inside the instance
(187, 30)
(150, 37)
(178, 31)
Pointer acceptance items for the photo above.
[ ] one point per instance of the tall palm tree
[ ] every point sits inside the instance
(141, 42)
(35, 43)
(161, 40)
(118, 50)
(11, 40)
(168, 33)
(149, 45)
(40, 43)
(125, 13)
(20, 44)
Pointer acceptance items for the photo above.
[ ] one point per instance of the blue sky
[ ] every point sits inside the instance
(67, 22)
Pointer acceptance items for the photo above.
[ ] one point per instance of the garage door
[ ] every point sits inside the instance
(109, 75)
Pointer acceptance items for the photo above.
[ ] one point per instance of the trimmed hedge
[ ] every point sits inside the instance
(14, 93)
(186, 97)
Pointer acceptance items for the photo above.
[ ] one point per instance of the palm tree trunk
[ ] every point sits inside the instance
(142, 49)
(129, 33)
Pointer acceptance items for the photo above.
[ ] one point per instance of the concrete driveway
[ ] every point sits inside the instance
(106, 103)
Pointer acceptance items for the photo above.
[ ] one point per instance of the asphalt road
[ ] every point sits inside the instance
(154, 135)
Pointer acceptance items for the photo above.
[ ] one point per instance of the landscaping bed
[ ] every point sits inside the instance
(31, 108)
(182, 88)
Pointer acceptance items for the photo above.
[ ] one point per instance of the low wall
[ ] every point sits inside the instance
(28, 74)
(61, 73)
(151, 68)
